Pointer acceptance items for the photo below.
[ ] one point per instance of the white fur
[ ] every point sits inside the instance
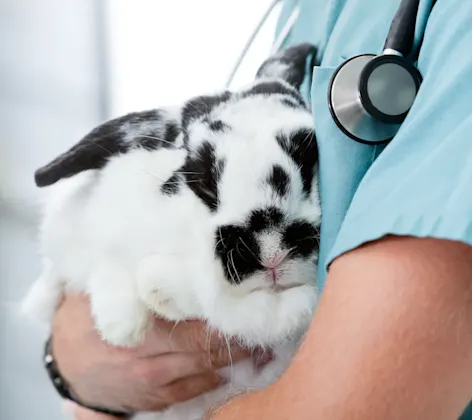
(137, 252)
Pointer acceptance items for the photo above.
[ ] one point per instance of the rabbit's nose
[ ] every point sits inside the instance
(273, 263)
(275, 260)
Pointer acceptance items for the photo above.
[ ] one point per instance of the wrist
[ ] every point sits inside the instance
(80, 413)
(77, 412)
(65, 390)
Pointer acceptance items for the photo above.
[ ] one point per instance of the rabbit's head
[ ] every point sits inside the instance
(252, 161)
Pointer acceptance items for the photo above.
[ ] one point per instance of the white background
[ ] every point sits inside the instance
(162, 52)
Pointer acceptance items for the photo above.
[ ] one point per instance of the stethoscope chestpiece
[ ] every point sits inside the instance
(369, 96)
(388, 86)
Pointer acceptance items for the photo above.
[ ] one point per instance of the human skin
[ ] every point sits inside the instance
(391, 339)
(79, 413)
(175, 363)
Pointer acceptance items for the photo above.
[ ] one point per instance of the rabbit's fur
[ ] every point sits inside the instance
(206, 211)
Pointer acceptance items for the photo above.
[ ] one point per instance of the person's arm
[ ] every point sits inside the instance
(391, 339)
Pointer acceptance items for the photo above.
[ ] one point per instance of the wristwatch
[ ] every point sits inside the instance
(63, 389)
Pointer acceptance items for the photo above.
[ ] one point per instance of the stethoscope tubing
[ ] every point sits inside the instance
(279, 41)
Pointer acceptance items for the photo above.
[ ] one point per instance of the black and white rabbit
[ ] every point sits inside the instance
(207, 211)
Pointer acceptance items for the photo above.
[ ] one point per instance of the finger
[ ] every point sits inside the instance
(185, 337)
(185, 389)
(164, 337)
(162, 370)
(225, 356)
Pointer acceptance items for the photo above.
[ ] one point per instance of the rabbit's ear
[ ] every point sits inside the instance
(149, 129)
(289, 64)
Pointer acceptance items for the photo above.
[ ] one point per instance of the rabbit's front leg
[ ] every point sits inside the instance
(121, 317)
(44, 296)
(164, 284)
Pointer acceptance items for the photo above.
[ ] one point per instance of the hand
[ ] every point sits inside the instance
(174, 364)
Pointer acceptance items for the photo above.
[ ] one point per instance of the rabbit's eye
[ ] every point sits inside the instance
(302, 238)
(239, 252)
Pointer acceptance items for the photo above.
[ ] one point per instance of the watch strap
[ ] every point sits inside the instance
(61, 386)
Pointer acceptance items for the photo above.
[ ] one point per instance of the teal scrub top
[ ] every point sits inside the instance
(419, 184)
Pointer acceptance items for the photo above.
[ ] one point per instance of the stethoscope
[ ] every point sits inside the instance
(369, 96)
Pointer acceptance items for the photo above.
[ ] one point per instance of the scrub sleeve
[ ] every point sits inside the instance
(419, 184)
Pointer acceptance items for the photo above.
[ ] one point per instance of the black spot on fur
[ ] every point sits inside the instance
(302, 238)
(218, 126)
(202, 173)
(262, 219)
(201, 106)
(239, 252)
(291, 103)
(301, 147)
(279, 180)
(153, 136)
(147, 129)
(135, 120)
(172, 132)
(92, 152)
(289, 64)
(149, 141)
(272, 88)
(171, 186)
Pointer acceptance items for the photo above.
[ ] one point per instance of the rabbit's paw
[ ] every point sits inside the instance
(159, 284)
(124, 325)
(44, 296)
(120, 316)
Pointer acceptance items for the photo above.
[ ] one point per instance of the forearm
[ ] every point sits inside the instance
(390, 340)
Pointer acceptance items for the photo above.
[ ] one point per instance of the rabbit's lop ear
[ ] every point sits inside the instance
(289, 64)
(150, 129)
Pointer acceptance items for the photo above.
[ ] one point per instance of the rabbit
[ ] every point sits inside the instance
(205, 211)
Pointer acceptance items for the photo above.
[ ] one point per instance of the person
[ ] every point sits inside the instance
(392, 334)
